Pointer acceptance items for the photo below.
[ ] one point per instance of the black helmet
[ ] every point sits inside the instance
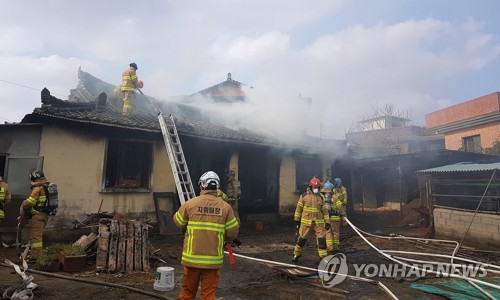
(36, 175)
(134, 65)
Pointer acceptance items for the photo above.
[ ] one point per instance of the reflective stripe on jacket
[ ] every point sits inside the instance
(4, 197)
(36, 201)
(311, 208)
(339, 194)
(209, 223)
(129, 80)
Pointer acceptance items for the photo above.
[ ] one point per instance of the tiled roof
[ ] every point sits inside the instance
(226, 91)
(90, 103)
(463, 167)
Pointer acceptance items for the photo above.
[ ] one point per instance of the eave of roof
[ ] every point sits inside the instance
(493, 117)
(463, 167)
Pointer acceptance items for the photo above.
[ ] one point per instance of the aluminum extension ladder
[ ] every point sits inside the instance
(176, 157)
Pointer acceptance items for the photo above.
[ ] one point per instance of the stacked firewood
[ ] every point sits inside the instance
(123, 246)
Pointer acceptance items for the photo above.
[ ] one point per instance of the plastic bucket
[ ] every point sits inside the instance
(165, 280)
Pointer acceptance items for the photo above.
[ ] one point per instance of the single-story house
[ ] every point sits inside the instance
(104, 161)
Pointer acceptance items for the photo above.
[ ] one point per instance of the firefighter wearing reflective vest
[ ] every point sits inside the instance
(339, 198)
(311, 215)
(35, 206)
(333, 234)
(232, 191)
(209, 223)
(130, 82)
(5, 197)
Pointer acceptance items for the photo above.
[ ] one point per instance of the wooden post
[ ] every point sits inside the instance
(113, 246)
(102, 246)
(130, 247)
(122, 246)
(145, 247)
(137, 247)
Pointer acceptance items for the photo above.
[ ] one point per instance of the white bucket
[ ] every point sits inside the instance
(165, 280)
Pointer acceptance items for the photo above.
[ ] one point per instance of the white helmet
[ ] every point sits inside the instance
(209, 177)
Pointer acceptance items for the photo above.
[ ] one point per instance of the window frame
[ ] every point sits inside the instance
(472, 146)
(148, 172)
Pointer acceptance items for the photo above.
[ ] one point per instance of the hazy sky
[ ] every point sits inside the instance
(346, 55)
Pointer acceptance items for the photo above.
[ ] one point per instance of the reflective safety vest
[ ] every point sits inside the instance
(209, 223)
(36, 201)
(129, 80)
(311, 208)
(339, 199)
(4, 197)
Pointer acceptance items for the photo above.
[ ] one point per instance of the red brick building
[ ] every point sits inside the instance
(472, 126)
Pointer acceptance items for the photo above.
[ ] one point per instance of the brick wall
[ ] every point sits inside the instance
(453, 224)
(489, 135)
(465, 110)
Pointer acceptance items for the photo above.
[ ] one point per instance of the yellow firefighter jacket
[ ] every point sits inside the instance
(129, 80)
(339, 199)
(36, 201)
(209, 222)
(311, 208)
(4, 196)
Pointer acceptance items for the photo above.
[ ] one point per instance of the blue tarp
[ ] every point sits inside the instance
(458, 289)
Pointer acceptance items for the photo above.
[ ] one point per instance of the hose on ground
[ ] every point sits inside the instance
(108, 284)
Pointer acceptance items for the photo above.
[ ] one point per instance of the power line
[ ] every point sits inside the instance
(5, 119)
(28, 87)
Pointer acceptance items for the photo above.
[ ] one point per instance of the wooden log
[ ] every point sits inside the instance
(102, 247)
(137, 247)
(113, 245)
(122, 247)
(130, 247)
(145, 247)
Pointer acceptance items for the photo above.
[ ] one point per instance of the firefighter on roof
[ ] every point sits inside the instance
(34, 206)
(311, 215)
(130, 82)
(209, 224)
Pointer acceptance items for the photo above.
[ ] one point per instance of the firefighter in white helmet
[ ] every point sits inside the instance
(209, 224)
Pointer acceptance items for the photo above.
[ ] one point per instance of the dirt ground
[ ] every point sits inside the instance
(246, 279)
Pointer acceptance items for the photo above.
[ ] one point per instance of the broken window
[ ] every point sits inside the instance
(472, 144)
(128, 165)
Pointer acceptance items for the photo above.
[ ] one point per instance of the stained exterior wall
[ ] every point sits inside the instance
(489, 135)
(75, 161)
(485, 229)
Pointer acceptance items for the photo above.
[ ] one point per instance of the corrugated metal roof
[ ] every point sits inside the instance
(463, 167)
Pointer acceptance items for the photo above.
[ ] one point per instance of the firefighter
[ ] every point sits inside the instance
(311, 214)
(34, 206)
(232, 191)
(209, 223)
(5, 197)
(333, 234)
(339, 198)
(130, 82)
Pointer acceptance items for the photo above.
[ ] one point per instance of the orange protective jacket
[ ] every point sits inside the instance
(129, 80)
(36, 201)
(311, 208)
(209, 223)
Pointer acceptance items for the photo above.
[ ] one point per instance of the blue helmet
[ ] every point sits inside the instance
(328, 185)
(337, 182)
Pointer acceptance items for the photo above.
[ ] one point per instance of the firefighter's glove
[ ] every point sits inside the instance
(297, 225)
(237, 243)
(327, 226)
